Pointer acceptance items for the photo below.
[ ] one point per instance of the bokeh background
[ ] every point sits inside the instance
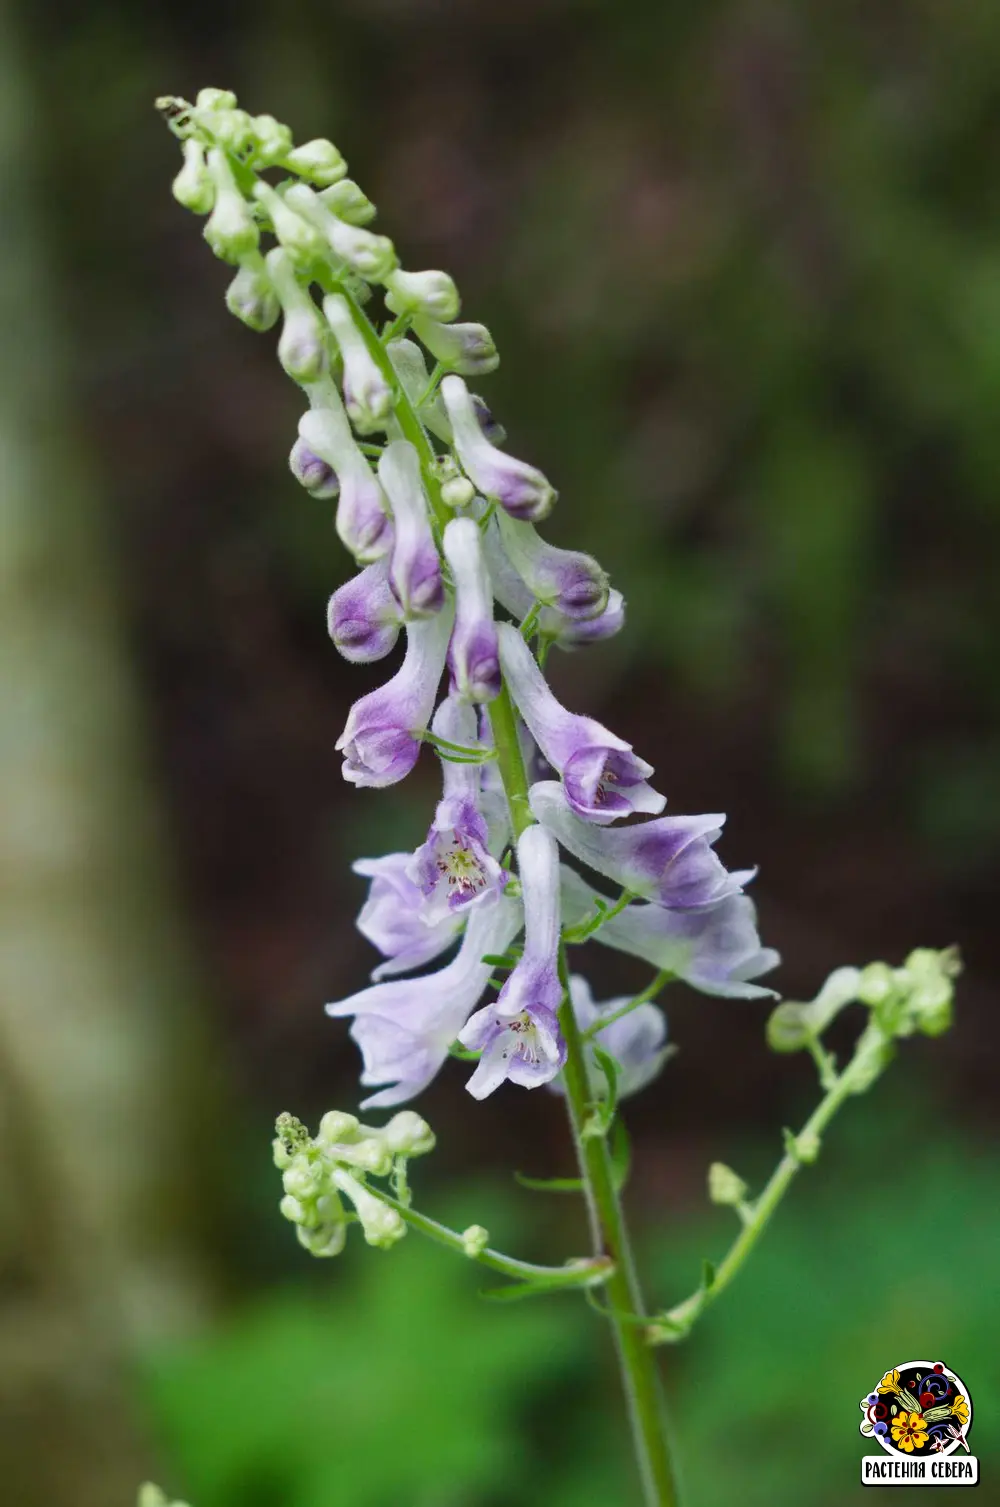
(743, 264)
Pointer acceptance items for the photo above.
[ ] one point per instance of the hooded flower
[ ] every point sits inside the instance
(404, 1028)
(453, 870)
(370, 256)
(716, 951)
(367, 395)
(465, 348)
(519, 488)
(602, 778)
(415, 572)
(473, 655)
(669, 860)
(381, 742)
(566, 580)
(393, 918)
(637, 1042)
(302, 347)
(363, 522)
(518, 1034)
(363, 616)
(569, 633)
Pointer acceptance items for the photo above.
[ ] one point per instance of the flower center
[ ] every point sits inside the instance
(461, 869)
(525, 1034)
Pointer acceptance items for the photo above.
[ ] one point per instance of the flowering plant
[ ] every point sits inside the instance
(441, 521)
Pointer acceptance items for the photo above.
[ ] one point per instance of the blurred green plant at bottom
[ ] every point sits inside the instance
(401, 1388)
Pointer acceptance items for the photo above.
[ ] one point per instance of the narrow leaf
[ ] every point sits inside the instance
(549, 1184)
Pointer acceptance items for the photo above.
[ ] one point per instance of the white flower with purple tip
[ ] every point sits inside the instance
(363, 616)
(669, 860)
(367, 394)
(567, 580)
(520, 489)
(473, 654)
(405, 1027)
(381, 741)
(415, 571)
(602, 777)
(363, 523)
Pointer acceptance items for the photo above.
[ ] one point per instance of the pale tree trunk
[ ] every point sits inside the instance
(99, 1249)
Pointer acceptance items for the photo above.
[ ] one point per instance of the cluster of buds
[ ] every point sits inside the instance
(441, 521)
(318, 1173)
(152, 1496)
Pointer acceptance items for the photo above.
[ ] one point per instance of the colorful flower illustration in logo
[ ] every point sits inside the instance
(918, 1408)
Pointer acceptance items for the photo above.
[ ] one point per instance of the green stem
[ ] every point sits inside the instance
(677, 1322)
(650, 992)
(590, 1271)
(640, 1378)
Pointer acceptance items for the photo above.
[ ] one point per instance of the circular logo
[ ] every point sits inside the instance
(919, 1408)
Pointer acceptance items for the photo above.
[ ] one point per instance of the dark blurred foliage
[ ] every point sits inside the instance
(742, 262)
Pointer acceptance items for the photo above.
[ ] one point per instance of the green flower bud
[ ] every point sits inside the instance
(230, 229)
(725, 1186)
(464, 348)
(430, 293)
(408, 1134)
(292, 1209)
(380, 1225)
(215, 99)
(876, 983)
(475, 1240)
(301, 240)
(323, 1240)
(336, 1126)
(930, 976)
(302, 348)
(272, 140)
(457, 493)
(193, 186)
(370, 1155)
(250, 295)
(233, 129)
(348, 202)
(372, 257)
(319, 161)
(303, 1178)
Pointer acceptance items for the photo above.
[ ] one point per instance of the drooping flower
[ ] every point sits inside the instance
(363, 523)
(518, 1034)
(405, 1027)
(393, 919)
(519, 488)
(567, 580)
(415, 571)
(602, 778)
(312, 472)
(363, 616)
(473, 654)
(570, 633)
(716, 951)
(381, 741)
(367, 395)
(465, 348)
(302, 346)
(637, 1041)
(454, 870)
(669, 859)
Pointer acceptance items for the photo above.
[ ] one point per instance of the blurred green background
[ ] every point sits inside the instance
(742, 261)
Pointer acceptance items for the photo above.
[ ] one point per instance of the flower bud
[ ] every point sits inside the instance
(348, 202)
(565, 579)
(520, 489)
(474, 656)
(570, 633)
(312, 472)
(457, 492)
(232, 129)
(876, 983)
(475, 1239)
(300, 239)
(324, 1239)
(302, 347)
(367, 395)
(291, 1209)
(193, 186)
(230, 229)
(363, 617)
(368, 1155)
(371, 256)
(408, 1134)
(272, 140)
(363, 524)
(464, 348)
(380, 1225)
(415, 571)
(725, 1186)
(215, 99)
(250, 295)
(319, 161)
(336, 1126)
(930, 976)
(433, 294)
(410, 366)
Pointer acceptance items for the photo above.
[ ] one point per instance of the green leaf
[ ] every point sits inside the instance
(550, 1184)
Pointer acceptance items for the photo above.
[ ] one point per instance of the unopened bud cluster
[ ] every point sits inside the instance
(319, 1173)
(152, 1496)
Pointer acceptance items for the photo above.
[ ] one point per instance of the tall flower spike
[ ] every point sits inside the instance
(518, 1035)
(381, 742)
(372, 257)
(415, 571)
(602, 778)
(363, 523)
(302, 348)
(363, 616)
(404, 1028)
(564, 579)
(473, 654)
(669, 860)
(367, 395)
(454, 869)
(716, 951)
(465, 348)
(520, 489)
(392, 919)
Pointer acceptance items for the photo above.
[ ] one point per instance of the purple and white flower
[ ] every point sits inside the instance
(669, 860)
(302, 345)
(564, 579)
(312, 472)
(520, 489)
(367, 395)
(381, 741)
(465, 348)
(473, 654)
(393, 919)
(568, 633)
(405, 1027)
(602, 777)
(415, 571)
(716, 951)
(363, 523)
(637, 1041)
(363, 616)
(518, 1034)
(454, 871)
